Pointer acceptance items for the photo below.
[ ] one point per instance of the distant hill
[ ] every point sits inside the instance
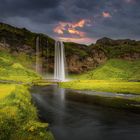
(123, 48)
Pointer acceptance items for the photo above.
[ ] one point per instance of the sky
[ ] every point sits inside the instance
(81, 21)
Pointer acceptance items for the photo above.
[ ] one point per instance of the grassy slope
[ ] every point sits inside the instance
(114, 69)
(110, 77)
(18, 117)
(11, 69)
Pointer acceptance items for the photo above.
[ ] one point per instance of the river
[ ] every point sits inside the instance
(71, 120)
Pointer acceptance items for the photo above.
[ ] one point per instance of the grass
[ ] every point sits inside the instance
(18, 116)
(6, 90)
(113, 69)
(113, 76)
(104, 85)
(11, 69)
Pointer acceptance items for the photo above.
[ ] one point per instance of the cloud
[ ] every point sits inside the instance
(57, 18)
(71, 27)
(106, 14)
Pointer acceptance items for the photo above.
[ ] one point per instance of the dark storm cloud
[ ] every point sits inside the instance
(16, 7)
(33, 9)
(111, 18)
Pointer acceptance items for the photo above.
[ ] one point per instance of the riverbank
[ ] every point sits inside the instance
(104, 85)
(18, 116)
(116, 94)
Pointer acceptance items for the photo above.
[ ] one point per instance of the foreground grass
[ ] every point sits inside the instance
(104, 85)
(18, 117)
(6, 90)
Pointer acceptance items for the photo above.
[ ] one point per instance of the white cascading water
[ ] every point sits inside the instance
(59, 61)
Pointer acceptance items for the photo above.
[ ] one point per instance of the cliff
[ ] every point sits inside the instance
(80, 58)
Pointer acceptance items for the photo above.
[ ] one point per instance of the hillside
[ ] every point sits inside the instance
(123, 48)
(12, 69)
(114, 69)
(21, 43)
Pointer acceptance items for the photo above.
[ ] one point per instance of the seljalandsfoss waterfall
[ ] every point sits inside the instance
(59, 61)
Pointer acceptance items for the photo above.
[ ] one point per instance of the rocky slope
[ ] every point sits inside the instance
(80, 58)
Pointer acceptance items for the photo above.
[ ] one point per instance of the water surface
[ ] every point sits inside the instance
(70, 120)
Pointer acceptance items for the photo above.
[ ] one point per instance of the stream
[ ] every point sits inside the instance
(71, 120)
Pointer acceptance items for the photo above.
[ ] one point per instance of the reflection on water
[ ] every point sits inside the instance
(71, 120)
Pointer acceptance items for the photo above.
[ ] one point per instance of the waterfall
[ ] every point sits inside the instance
(59, 61)
(38, 57)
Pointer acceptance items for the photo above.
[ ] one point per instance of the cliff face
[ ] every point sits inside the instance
(80, 58)
(124, 49)
(79, 64)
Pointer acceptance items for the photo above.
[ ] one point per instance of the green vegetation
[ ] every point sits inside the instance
(18, 117)
(41, 82)
(116, 48)
(74, 48)
(113, 76)
(11, 69)
(6, 90)
(104, 85)
(20, 36)
(114, 69)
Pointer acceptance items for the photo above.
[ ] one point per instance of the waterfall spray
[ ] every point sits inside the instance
(38, 57)
(59, 61)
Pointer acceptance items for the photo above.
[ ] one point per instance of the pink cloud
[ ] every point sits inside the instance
(71, 28)
(106, 14)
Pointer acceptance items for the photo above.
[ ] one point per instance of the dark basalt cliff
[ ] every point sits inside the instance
(80, 58)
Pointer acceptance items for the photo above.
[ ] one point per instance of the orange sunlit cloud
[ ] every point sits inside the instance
(106, 15)
(71, 28)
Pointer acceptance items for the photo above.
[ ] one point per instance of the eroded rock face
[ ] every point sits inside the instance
(78, 64)
(4, 46)
(130, 56)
